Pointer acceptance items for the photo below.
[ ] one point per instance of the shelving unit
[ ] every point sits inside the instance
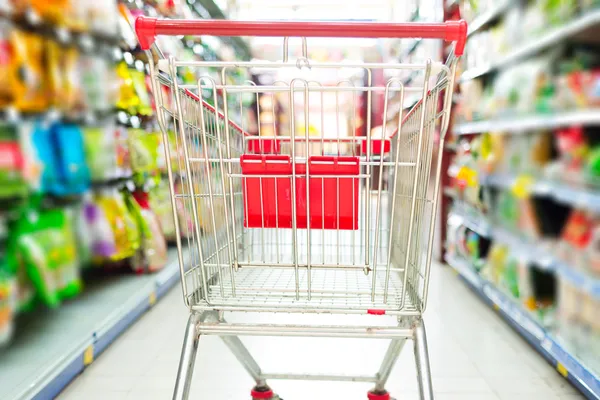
(535, 45)
(571, 195)
(525, 324)
(526, 123)
(488, 16)
(529, 251)
(54, 347)
(535, 256)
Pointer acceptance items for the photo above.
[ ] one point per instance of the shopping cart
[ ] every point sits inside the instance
(306, 216)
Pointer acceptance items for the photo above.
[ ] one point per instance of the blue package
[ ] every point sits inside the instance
(41, 137)
(73, 169)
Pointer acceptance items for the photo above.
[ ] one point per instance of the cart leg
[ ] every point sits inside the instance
(245, 358)
(188, 358)
(422, 360)
(389, 360)
(261, 390)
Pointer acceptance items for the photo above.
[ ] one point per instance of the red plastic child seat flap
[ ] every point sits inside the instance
(333, 189)
(267, 200)
(264, 145)
(333, 192)
(376, 146)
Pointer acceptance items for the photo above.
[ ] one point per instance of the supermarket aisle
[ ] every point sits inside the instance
(474, 355)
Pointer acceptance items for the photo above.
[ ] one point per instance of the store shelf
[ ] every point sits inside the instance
(530, 122)
(530, 251)
(488, 16)
(537, 44)
(543, 341)
(51, 348)
(580, 197)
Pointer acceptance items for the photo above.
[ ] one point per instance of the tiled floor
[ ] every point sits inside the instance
(474, 356)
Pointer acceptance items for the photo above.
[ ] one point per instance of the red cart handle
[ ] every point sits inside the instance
(452, 31)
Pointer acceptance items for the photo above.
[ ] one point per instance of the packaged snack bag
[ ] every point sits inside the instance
(12, 181)
(33, 167)
(144, 104)
(54, 11)
(73, 87)
(122, 151)
(23, 291)
(44, 244)
(125, 22)
(152, 255)
(100, 152)
(95, 77)
(102, 236)
(6, 64)
(143, 150)
(122, 223)
(73, 170)
(128, 99)
(55, 75)
(8, 290)
(102, 17)
(27, 78)
(43, 143)
(160, 203)
(50, 255)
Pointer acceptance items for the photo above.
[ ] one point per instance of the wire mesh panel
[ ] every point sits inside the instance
(305, 215)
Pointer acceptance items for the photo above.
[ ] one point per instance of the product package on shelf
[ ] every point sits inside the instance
(123, 232)
(557, 81)
(580, 240)
(12, 165)
(100, 152)
(153, 251)
(8, 289)
(42, 253)
(143, 150)
(160, 203)
(27, 81)
(578, 156)
(577, 323)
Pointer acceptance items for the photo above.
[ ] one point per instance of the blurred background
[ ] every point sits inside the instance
(522, 195)
(86, 225)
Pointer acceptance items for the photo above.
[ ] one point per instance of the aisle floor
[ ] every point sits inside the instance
(474, 356)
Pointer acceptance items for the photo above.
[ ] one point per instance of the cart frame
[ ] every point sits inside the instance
(290, 254)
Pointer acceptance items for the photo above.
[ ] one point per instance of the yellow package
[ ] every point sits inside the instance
(73, 91)
(63, 77)
(6, 95)
(122, 223)
(55, 11)
(139, 84)
(27, 78)
(128, 99)
(54, 74)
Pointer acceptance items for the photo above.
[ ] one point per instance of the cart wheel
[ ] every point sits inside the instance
(264, 393)
(379, 395)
